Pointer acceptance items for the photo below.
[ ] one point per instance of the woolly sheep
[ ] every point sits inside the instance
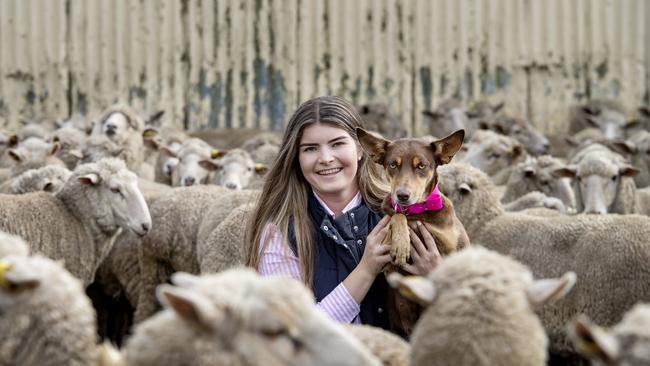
(377, 117)
(603, 182)
(540, 174)
(33, 153)
(45, 317)
(170, 138)
(181, 219)
(71, 141)
(234, 170)
(390, 349)
(597, 248)
(519, 129)
(79, 223)
(264, 148)
(49, 178)
(492, 153)
(188, 171)
(448, 117)
(625, 344)
(638, 149)
(7, 141)
(228, 138)
(535, 199)
(239, 318)
(606, 115)
(124, 126)
(12, 245)
(479, 310)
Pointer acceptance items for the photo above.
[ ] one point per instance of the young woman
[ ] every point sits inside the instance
(319, 220)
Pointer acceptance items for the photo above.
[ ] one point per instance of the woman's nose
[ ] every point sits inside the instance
(325, 156)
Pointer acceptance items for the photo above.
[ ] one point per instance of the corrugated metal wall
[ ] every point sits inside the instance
(231, 63)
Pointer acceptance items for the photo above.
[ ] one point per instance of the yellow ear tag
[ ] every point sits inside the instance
(4, 267)
(260, 167)
(148, 133)
(216, 153)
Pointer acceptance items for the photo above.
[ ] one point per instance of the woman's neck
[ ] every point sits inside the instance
(337, 201)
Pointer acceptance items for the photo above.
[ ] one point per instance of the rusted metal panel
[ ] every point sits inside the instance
(249, 63)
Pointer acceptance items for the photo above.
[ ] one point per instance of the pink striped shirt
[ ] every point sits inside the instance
(278, 259)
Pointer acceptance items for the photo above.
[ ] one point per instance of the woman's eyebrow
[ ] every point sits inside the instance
(329, 142)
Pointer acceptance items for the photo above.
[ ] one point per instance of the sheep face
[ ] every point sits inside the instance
(71, 141)
(120, 193)
(256, 320)
(188, 170)
(235, 170)
(49, 179)
(491, 152)
(377, 117)
(598, 181)
(610, 121)
(115, 127)
(443, 121)
(533, 141)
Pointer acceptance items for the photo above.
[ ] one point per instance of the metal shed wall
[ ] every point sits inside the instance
(249, 63)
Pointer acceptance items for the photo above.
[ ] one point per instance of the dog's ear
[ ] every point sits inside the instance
(445, 148)
(373, 145)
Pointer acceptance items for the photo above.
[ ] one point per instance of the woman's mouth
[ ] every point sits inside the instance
(329, 171)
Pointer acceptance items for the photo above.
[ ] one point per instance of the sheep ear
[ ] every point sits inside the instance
(445, 148)
(529, 171)
(496, 108)
(155, 118)
(217, 153)
(76, 153)
(593, 341)
(415, 288)
(188, 305)
(15, 155)
(167, 151)
(464, 188)
(261, 168)
(184, 279)
(433, 114)
(547, 291)
(89, 179)
(17, 279)
(55, 148)
(645, 111)
(374, 146)
(624, 147)
(210, 165)
(516, 151)
(592, 111)
(13, 140)
(628, 171)
(593, 121)
(565, 172)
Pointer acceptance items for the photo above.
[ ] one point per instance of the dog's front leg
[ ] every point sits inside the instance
(400, 249)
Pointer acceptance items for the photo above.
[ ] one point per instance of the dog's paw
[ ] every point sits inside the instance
(400, 250)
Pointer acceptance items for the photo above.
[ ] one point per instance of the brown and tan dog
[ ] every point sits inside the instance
(410, 165)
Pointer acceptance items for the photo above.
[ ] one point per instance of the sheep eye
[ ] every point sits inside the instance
(250, 169)
(614, 178)
(270, 333)
(115, 190)
(494, 156)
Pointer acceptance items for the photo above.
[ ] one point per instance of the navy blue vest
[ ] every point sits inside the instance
(339, 247)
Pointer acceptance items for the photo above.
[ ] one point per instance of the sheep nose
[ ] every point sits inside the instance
(189, 181)
(146, 226)
(231, 185)
(546, 147)
(402, 195)
(595, 212)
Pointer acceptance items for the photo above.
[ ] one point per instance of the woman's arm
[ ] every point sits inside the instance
(278, 260)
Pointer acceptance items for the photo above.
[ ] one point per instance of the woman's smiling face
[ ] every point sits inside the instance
(329, 158)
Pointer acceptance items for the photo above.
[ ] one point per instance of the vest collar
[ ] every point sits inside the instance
(432, 203)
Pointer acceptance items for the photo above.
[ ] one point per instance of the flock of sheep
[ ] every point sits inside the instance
(127, 209)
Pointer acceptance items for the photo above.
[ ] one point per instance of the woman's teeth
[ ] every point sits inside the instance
(329, 171)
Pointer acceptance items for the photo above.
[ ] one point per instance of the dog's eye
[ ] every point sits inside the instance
(392, 165)
(422, 166)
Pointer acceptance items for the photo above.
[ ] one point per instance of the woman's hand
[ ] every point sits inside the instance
(376, 256)
(424, 251)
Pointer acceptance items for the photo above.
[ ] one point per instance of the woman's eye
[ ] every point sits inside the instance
(338, 143)
(309, 149)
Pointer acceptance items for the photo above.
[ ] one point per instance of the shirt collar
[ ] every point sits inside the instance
(356, 201)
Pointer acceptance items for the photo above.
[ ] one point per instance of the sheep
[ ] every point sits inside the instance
(377, 117)
(605, 115)
(79, 223)
(71, 141)
(533, 141)
(481, 109)
(239, 318)
(264, 148)
(390, 349)
(228, 138)
(12, 245)
(124, 126)
(540, 174)
(448, 117)
(49, 178)
(7, 141)
(479, 310)
(626, 343)
(188, 171)
(45, 317)
(223, 247)
(79, 122)
(164, 164)
(181, 219)
(234, 170)
(638, 150)
(493, 153)
(536, 199)
(599, 249)
(33, 153)
(603, 182)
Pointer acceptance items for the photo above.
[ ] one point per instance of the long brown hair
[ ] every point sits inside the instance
(285, 192)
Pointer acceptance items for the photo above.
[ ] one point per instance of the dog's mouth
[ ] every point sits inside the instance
(330, 171)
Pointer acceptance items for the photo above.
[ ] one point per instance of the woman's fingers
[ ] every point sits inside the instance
(410, 268)
(429, 242)
(416, 244)
(382, 223)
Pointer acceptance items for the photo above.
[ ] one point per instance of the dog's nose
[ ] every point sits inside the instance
(402, 195)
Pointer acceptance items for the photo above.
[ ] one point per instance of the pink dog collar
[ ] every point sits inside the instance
(433, 203)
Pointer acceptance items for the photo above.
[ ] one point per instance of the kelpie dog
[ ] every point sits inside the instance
(410, 164)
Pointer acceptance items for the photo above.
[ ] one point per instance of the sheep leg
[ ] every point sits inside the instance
(400, 249)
